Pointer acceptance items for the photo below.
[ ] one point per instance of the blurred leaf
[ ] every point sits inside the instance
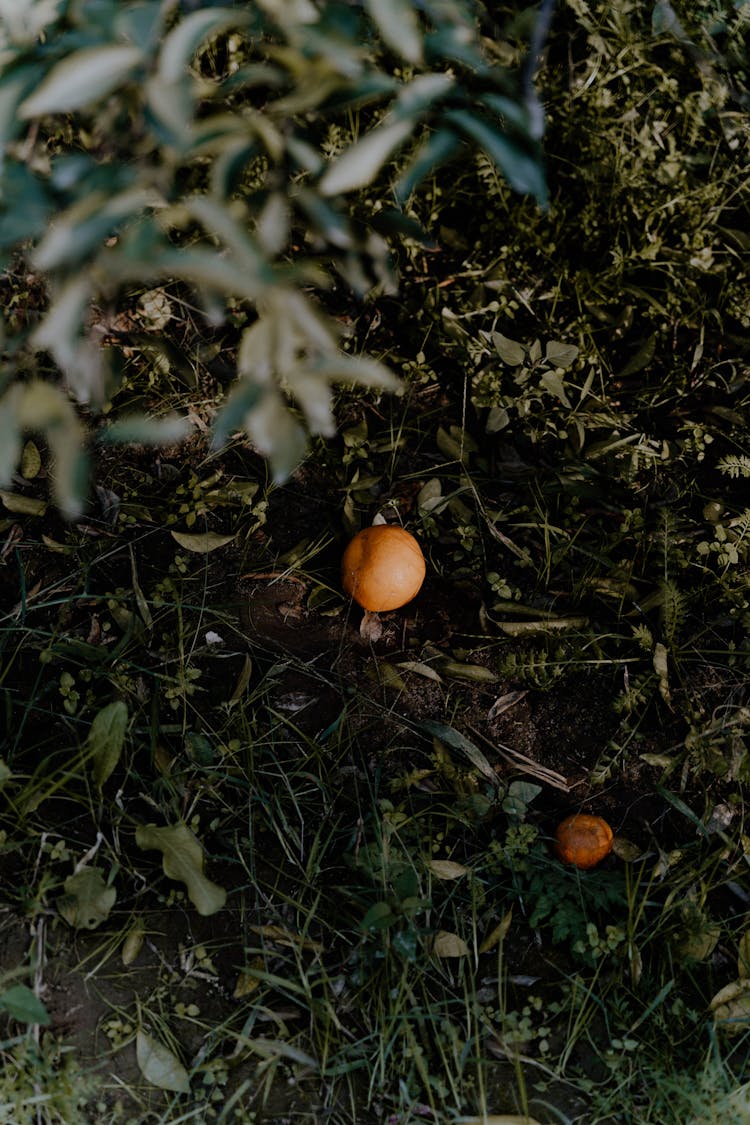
(183, 860)
(106, 739)
(523, 172)
(81, 78)
(437, 150)
(159, 1065)
(87, 900)
(201, 543)
(359, 165)
(184, 39)
(23, 1005)
(143, 430)
(399, 26)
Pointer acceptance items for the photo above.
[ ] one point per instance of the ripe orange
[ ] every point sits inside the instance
(583, 840)
(383, 567)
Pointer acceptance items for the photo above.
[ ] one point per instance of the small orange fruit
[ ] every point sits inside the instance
(583, 840)
(383, 567)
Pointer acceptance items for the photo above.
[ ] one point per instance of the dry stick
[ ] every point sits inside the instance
(525, 764)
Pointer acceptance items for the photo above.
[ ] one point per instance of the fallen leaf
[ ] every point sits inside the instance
(183, 860)
(731, 1007)
(159, 1065)
(87, 900)
(133, 944)
(201, 544)
(498, 934)
(447, 869)
(446, 944)
(22, 505)
(743, 956)
(31, 461)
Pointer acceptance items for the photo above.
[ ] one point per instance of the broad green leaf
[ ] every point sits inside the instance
(359, 165)
(143, 430)
(183, 861)
(553, 383)
(559, 354)
(23, 1005)
(510, 351)
(159, 1065)
(87, 900)
(106, 739)
(81, 78)
(399, 26)
(201, 543)
(523, 172)
(276, 434)
(446, 944)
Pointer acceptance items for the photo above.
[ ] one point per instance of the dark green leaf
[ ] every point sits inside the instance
(439, 148)
(23, 1005)
(523, 172)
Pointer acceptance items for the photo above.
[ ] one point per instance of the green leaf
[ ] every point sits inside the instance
(523, 172)
(399, 26)
(510, 351)
(87, 900)
(201, 543)
(457, 741)
(359, 165)
(81, 78)
(559, 354)
(159, 1065)
(183, 861)
(23, 1005)
(106, 739)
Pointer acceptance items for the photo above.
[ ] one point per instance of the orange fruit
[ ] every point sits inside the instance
(383, 567)
(583, 840)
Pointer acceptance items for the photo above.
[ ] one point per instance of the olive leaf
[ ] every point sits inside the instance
(446, 944)
(183, 860)
(159, 1065)
(201, 544)
(106, 739)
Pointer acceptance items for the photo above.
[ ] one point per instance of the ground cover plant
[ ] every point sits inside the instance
(261, 864)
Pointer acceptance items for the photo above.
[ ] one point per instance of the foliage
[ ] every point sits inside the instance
(154, 150)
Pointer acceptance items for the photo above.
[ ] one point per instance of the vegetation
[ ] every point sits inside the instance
(260, 866)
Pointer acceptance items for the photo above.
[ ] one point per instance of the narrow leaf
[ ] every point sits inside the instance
(106, 740)
(81, 78)
(399, 26)
(359, 165)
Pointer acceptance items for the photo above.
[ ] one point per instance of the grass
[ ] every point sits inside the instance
(397, 944)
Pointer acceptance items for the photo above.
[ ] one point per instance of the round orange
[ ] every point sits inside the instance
(383, 567)
(583, 840)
